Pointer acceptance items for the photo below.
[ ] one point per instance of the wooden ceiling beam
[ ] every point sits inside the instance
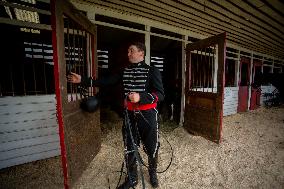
(262, 41)
(267, 9)
(254, 34)
(257, 16)
(252, 46)
(228, 29)
(242, 19)
(135, 12)
(196, 20)
(275, 5)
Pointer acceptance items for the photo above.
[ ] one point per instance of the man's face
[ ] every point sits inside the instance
(135, 55)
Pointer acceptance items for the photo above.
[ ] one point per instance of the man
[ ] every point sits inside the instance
(143, 88)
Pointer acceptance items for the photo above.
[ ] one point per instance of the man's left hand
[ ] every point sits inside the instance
(134, 97)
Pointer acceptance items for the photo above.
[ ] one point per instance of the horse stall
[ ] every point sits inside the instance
(40, 112)
(29, 129)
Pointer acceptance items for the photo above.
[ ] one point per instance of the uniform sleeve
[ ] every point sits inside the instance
(156, 93)
(105, 81)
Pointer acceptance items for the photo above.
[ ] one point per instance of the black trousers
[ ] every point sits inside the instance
(144, 130)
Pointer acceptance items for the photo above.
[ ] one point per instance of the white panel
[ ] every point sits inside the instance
(15, 153)
(28, 129)
(230, 101)
(16, 126)
(28, 142)
(14, 136)
(29, 158)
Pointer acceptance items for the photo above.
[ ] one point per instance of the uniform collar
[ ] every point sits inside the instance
(133, 65)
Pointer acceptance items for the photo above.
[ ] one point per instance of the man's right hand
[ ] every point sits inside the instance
(74, 78)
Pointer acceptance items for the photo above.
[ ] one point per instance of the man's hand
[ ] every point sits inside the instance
(74, 78)
(134, 97)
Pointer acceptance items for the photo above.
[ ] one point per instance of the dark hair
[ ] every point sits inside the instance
(140, 46)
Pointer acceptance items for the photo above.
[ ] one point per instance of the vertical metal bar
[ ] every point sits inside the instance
(208, 70)
(193, 73)
(69, 59)
(84, 51)
(94, 49)
(91, 60)
(74, 58)
(78, 50)
(202, 65)
(87, 53)
(212, 68)
(200, 69)
(77, 56)
(79, 53)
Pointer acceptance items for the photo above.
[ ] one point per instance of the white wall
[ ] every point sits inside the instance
(230, 105)
(28, 129)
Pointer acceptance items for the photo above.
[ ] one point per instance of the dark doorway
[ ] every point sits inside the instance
(166, 56)
(112, 48)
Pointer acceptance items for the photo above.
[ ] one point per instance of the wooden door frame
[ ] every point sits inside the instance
(58, 9)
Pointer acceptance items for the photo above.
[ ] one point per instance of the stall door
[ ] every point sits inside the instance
(204, 90)
(73, 39)
(255, 92)
(244, 84)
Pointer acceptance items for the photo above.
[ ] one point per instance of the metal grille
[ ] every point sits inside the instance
(78, 45)
(203, 70)
(26, 51)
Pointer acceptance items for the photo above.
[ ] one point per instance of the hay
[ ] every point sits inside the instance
(251, 155)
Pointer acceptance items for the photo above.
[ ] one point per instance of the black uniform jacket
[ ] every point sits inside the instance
(137, 77)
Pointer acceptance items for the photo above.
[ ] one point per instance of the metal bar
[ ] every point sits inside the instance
(212, 73)
(78, 52)
(90, 57)
(192, 71)
(83, 52)
(208, 71)
(199, 69)
(78, 56)
(203, 70)
(93, 70)
(69, 58)
(74, 58)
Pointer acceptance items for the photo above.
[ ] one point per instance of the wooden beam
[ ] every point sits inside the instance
(266, 21)
(187, 17)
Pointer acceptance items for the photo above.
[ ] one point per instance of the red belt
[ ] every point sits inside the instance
(134, 106)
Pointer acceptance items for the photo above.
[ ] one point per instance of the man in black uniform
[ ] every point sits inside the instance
(143, 88)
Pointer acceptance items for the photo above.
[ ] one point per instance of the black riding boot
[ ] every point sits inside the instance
(131, 179)
(153, 172)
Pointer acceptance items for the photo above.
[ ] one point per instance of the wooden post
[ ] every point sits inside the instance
(183, 70)
(148, 45)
